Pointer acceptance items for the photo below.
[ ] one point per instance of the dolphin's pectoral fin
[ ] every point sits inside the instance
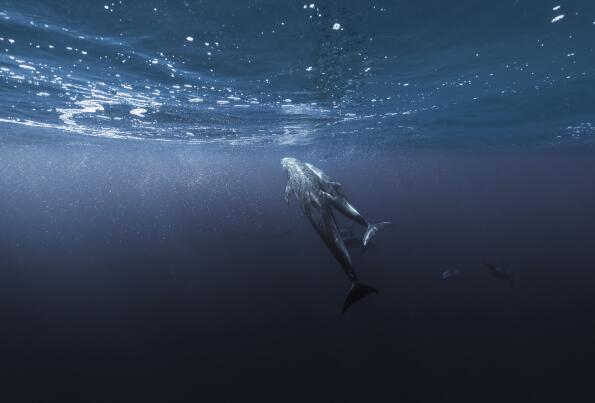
(287, 193)
(356, 292)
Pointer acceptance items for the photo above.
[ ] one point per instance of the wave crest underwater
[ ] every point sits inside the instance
(297, 73)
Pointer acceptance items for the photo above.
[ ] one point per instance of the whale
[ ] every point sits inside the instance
(319, 196)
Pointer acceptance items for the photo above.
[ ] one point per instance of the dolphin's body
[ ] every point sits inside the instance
(318, 195)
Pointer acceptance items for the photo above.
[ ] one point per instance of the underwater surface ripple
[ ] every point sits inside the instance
(289, 72)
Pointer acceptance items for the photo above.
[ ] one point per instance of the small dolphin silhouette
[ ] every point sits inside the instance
(500, 272)
(317, 195)
(451, 274)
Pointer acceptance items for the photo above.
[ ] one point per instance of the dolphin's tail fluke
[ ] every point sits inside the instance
(372, 230)
(356, 292)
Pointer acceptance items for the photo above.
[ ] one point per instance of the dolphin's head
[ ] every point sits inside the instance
(288, 163)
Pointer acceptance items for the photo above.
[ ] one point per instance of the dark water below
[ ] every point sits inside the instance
(177, 273)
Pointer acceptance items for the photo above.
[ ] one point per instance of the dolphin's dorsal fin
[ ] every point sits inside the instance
(335, 185)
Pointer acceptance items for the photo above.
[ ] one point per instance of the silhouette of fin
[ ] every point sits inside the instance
(287, 193)
(372, 230)
(356, 292)
(335, 185)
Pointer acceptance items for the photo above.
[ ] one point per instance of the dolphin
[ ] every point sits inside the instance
(317, 196)
(500, 272)
(451, 274)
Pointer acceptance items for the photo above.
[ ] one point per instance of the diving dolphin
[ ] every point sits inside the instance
(500, 272)
(451, 274)
(317, 195)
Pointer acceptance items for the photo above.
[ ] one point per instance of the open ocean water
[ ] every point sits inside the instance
(146, 250)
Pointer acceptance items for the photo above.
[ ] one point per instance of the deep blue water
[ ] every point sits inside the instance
(146, 251)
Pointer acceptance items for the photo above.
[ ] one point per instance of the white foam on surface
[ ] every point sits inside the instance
(140, 112)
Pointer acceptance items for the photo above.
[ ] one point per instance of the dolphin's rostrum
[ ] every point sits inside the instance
(318, 195)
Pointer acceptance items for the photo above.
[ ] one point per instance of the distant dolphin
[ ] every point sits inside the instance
(500, 272)
(451, 274)
(317, 194)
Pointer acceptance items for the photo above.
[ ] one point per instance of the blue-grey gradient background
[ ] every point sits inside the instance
(146, 251)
